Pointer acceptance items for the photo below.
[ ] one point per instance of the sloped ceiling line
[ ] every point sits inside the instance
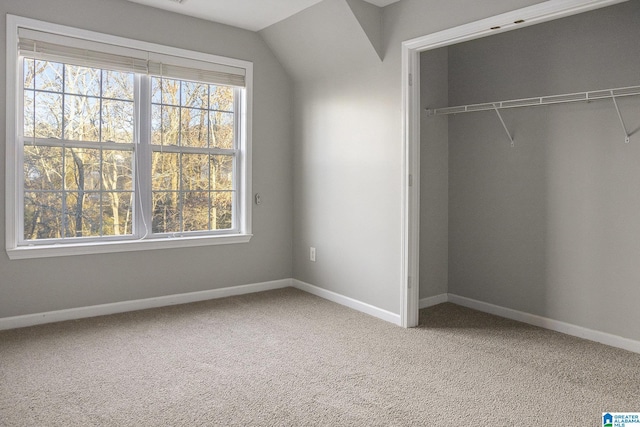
(328, 39)
(370, 19)
(253, 15)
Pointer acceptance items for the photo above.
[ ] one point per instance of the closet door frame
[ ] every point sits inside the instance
(411, 49)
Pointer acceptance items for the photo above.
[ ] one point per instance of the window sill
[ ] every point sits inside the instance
(46, 251)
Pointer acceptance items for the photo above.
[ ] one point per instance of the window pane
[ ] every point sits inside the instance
(48, 76)
(156, 90)
(83, 214)
(170, 125)
(222, 176)
(82, 171)
(117, 215)
(166, 212)
(117, 170)
(195, 211)
(28, 73)
(48, 115)
(170, 91)
(117, 85)
(82, 118)
(194, 95)
(195, 172)
(221, 129)
(221, 210)
(29, 124)
(42, 215)
(156, 124)
(221, 98)
(82, 80)
(194, 132)
(42, 168)
(165, 171)
(117, 121)
(73, 191)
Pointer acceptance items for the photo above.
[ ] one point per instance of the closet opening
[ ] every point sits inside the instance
(519, 135)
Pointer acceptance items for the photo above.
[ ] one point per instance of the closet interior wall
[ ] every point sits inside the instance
(434, 179)
(551, 226)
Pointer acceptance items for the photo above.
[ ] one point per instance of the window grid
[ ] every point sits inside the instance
(183, 151)
(237, 74)
(73, 220)
(185, 197)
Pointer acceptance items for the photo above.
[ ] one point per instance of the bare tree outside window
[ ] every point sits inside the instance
(79, 153)
(192, 181)
(76, 182)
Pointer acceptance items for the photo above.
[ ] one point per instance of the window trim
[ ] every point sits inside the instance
(13, 154)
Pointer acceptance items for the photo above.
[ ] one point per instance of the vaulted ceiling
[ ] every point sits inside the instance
(330, 38)
(253, 15)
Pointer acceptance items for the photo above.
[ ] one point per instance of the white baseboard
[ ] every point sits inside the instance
(544, 322)
(346, 301)
(141, 304)
(434, 300)
(163, 301)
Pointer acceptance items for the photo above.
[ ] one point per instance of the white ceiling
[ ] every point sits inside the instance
(252, 15)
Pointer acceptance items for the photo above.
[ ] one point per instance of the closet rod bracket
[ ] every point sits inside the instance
(495, 108)
(627, 136)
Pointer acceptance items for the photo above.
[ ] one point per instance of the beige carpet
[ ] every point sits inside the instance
(287, 358)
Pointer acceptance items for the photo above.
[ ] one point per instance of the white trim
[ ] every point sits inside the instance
(410, 219)
(536, 14)
(409, 251)
(245, 165)
(346, 301)
(168, 300)
(434, 300)
(12, 211)
(546, 323)
(107, 247)
(140, 304)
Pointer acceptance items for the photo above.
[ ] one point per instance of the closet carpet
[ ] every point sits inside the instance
(288, 358)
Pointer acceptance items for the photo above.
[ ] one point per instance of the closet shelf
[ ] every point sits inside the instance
(543, 100)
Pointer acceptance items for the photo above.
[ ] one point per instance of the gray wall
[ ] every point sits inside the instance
(348, 139)
(550, 227)
(31, 286)
(434, 174)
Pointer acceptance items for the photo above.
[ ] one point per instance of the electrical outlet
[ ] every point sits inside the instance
(312, 254)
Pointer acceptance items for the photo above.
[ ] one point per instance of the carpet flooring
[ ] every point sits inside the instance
(288, 358)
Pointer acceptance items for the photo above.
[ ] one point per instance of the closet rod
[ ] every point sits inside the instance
(543, 100)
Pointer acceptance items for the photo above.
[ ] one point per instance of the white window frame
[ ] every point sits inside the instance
(14, 167)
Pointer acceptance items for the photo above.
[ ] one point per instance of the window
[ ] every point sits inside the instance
(117, 145)
(194, 147)
(78, 152)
